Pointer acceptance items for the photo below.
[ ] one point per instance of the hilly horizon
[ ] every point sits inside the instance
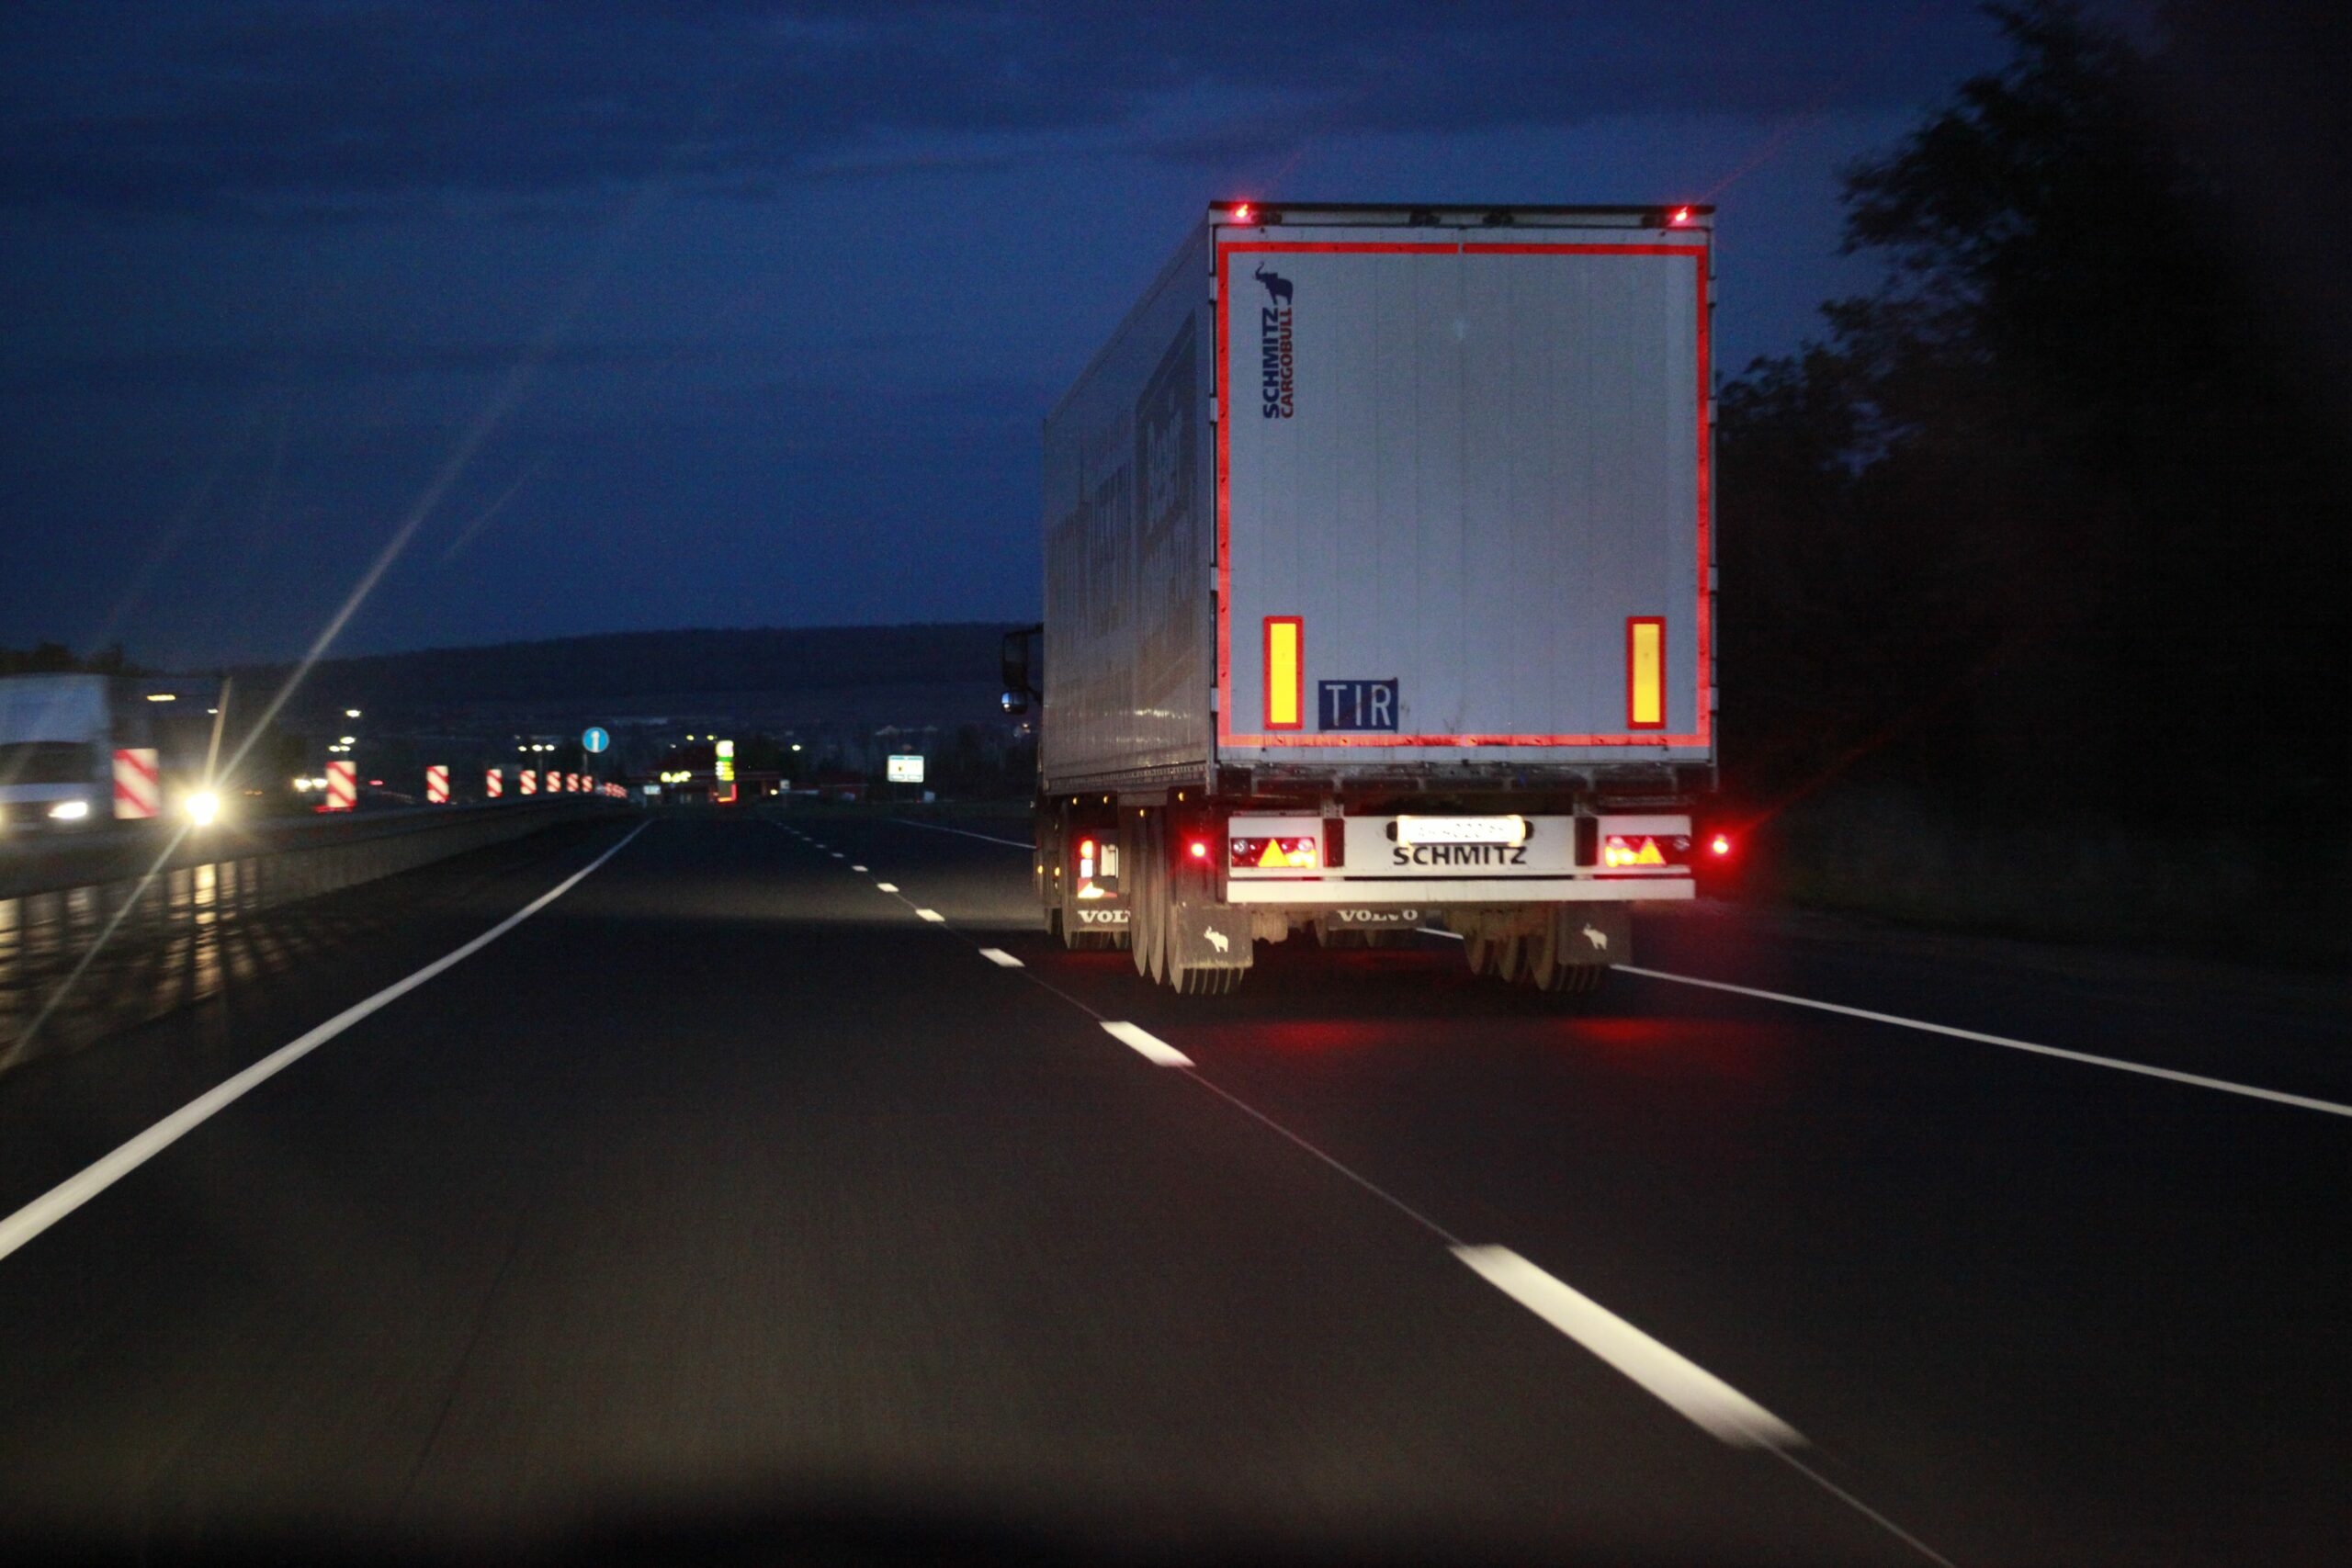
(929, 673)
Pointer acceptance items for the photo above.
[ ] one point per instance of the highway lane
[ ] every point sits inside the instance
(729, 1187)
(724, 1187)
(2047, 1312)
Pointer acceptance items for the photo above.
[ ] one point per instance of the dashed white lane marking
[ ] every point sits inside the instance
(1713, 1405)
(75, 1190)
(838, 855)
(1683, 1385)
(934, 915)
(854, 867)
(966, 833)
(1148, 1045)
(2300, 1102)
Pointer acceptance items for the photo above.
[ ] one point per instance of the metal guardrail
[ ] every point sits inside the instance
(182, 916)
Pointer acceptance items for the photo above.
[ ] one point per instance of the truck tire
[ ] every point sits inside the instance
(1502, 957)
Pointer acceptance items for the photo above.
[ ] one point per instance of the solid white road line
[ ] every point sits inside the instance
(888, 886)
(1718, 1409)
(1001, 958)
(934, 915)
(966, 833)
(1149, 1046)
(75, 1190)
(2300, 1102)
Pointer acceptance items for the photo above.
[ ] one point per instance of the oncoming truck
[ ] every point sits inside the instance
(1379, 591)
(79, 751)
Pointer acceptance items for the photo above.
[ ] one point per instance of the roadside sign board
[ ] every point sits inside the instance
(137, 782)
(594, 739)
(902, 768)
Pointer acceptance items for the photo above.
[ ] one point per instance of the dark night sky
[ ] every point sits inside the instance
(747, 319)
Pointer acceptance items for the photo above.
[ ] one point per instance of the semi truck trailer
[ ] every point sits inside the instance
(1379, 591)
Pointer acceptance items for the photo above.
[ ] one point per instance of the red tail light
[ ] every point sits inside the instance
(1197, 848)
(1720, 845)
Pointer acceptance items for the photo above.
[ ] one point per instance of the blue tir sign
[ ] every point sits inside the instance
(1355, 705)
(594, 739)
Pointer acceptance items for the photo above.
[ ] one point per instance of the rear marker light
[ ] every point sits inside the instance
(1243, 212)
(1640, 851)
(1285, 671)
(1678, 217)
(1274, 855)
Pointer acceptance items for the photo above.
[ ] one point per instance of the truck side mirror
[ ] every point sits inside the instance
(1013, 664)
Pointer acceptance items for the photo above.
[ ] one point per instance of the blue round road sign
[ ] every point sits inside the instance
(595, 739)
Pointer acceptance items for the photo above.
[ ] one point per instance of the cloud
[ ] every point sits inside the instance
(298, 107)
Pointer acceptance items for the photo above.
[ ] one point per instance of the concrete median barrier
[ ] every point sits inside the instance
(165, 902)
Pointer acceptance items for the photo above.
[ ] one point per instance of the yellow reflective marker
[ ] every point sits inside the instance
(1284, 679)
(1645, 672)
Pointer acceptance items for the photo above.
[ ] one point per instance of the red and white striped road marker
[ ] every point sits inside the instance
(493, 784)
(343, 786)
(572, 783)
(529, 781)
(437, 784)
(137, 782)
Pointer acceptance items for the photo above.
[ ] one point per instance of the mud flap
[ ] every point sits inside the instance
(1209, 936)
(1586, 934)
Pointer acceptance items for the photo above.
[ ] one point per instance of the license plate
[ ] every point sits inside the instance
(1462, 830)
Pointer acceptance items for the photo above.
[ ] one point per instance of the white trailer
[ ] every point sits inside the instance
(1379, 590)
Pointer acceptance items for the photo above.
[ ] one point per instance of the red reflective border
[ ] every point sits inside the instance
(1703, 620)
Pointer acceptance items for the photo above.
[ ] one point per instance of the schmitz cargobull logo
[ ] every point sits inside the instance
(1274, 344)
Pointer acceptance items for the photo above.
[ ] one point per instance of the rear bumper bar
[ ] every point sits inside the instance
(1432, 892)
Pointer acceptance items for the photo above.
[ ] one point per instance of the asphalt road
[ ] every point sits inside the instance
(728, 1198)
